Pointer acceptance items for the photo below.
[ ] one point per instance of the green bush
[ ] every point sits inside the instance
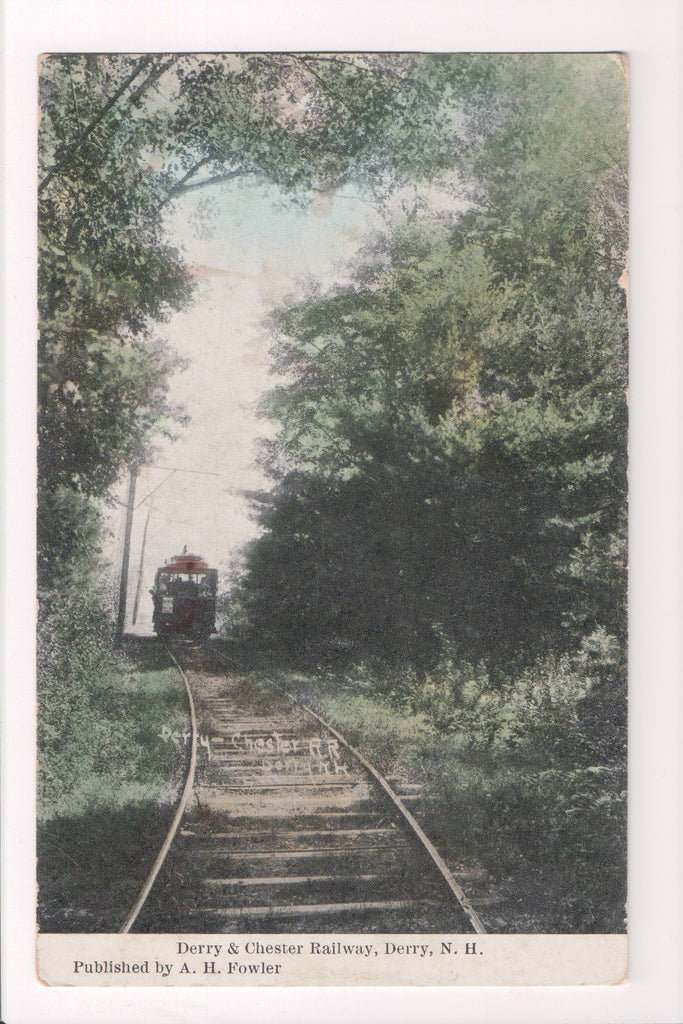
(537, 711)
(562, 709)
(563, 828)
(75, 662)
(99, 721)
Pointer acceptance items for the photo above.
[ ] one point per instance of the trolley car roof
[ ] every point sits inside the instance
(185, 563)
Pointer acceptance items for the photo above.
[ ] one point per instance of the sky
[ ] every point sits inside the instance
(250, 250)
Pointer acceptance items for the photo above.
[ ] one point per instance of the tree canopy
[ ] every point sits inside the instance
(121, 138)
(451, 453)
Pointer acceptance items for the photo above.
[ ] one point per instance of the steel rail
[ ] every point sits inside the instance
(180, 810)
(456, 890)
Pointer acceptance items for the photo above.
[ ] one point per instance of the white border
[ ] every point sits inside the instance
(650, 31)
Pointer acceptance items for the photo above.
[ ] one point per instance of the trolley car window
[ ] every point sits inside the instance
(185, 583)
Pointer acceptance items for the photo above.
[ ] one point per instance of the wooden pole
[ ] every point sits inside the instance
(142, 562)
(123, 586)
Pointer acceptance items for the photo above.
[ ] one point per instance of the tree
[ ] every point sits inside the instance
(105, 276)
(121, 138)
(452, 444)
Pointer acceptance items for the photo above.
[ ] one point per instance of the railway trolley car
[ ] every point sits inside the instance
(184, 597)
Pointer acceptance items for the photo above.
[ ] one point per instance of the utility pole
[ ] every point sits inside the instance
(123, 587)
(142, 562)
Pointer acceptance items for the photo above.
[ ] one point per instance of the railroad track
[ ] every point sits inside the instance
(284, 827)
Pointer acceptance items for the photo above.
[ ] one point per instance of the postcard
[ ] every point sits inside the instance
(332, 483)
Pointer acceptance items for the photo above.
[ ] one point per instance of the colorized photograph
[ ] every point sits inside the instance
(332, 495)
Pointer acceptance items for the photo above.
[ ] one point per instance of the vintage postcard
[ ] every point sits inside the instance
(315, 707)
(332, 478)
(332, 411)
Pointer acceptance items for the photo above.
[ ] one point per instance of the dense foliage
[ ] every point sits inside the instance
(99, 717)
(122, 137)
(451, 454)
